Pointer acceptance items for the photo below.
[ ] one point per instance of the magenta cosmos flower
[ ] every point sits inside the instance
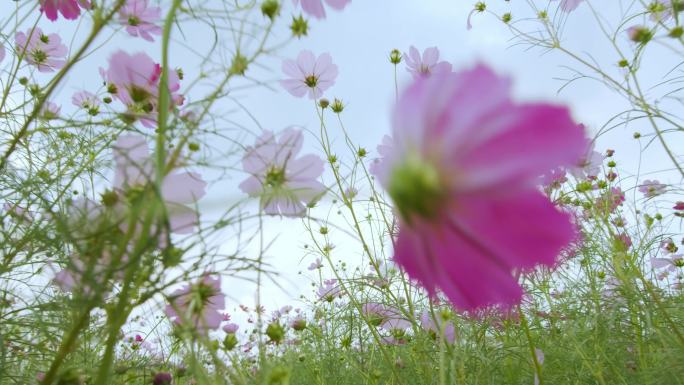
(315, 7)
(309, 74)
(284, 182)
(200, 304)
(139, 19)
(461, 169)
(134, 80)
(426, 64)
(134, 168)
(70, 9)
(46, 52)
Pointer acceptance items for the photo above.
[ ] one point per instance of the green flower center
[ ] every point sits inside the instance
(39, 56)
(275, 177)
(311, 81)
(133, 21)
(416, 188)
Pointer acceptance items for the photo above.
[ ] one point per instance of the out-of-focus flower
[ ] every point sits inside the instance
(610, 200)
(309, 74)
(315, 7)
(553, 179)
(435, 326)
(139, 19)
(315, 265)
(70, 9)
(589, 166)
(569, 5)
(283, 182)
(427, 64)
(46, 52)
(679, 206)
(87, 101)
(17, 212)
(667, 265)
(329, 290)
(162, 378)
(200, 304)
(50, 110)
(461, 169)
(231, 328)
(639, 34)
(134, 170)
(652, 188)
(134, 80)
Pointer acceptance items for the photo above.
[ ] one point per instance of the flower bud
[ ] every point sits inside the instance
(270, 8)
(639, 34)
(299, 26)
(162, 378)
(395, 56)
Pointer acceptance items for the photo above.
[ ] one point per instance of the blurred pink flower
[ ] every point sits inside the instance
(329, 291)
(50, 110)
(427, 64)
(134, 168)
(589, 166)
(461, 170)
(315, 265)
(610, 200)
(569, 5)
(284, 182)
(200, 303)
(315, 7)
(679, 206)
(139, 19)
(46, 52)
(652, 188)
(87, 101)
(309, 74)
(70, 9)
(134, 80)
(430, 325)
(231, 328)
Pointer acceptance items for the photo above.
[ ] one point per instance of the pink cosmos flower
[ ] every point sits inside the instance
(553, 179)
(309, 74)
(679, 206)
(434, 327)
(200, 303)
(231, 328)
(315, 7)
(284, 182)
(134, 80)
(330, 290)
(134, 168)
(50, 110)
(139, 19)
(589, 165)
(315, 265)
(461, 170)
(46, 52)
(426, 64)
(652, 188)
(70, 9)
(665, 266)
(87, 101)
(569, 5)
(610, 200)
